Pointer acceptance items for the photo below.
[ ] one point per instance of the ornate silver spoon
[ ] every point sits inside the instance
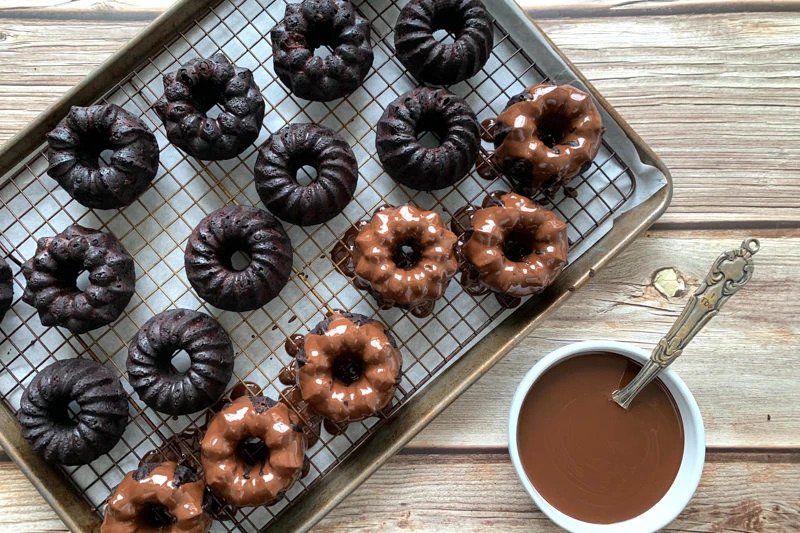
(728, 274)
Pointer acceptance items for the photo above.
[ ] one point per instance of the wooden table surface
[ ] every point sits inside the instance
(714, 88)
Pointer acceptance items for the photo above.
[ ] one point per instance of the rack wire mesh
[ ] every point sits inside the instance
(155, 228)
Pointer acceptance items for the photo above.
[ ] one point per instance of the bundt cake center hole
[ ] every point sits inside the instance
(517, 245)
(252, 451)
(82, 280)
(447, 25)
(430, 131)
(348, 368)
(65, 412)
(235, 256)
(306, 175)
(407, 254)
(180, 362)
(94, 151)
(552, 129)
(156, 516)
(207, 96)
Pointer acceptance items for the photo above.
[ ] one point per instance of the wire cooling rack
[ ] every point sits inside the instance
(155, 228)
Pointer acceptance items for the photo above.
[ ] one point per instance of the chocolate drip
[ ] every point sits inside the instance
(288, 374)
(333, 428)
(487, 167)
(293, 345)
(487, 129)
(310, 421)
(342, 250)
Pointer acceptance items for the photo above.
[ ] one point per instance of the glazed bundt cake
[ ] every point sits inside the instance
(73, 439)
(192, 90)
(164, 497)
(293, 147)
(314, 23)
(210, 250)
(546, 136)
(153, 376)
(74, 149)
(427, 168)
(253, 451)
(438, 63)
(348, 367)
(52, 274)
(406, 257)
(514, 246)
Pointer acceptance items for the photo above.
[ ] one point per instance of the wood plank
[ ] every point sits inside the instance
(738, 492)
(680, 92)
(742, 368)
(481, 492)
(561, 8)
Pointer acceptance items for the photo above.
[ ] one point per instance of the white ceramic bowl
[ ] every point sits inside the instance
(694, 448)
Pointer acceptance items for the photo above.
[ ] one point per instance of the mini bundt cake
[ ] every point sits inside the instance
(209, 253)
(406, 256)
(314, 23)
(165, 497)
(253, 451)
(83, 437)
(438, 63)
(6, 288)
(52, 274)
(409, 162)
(348, 367)
(282, 156)
(192, 90)
(546, 136)
(74, 149)
(153, 376)
(515, 246)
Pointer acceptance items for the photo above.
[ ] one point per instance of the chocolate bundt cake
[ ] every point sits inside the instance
(546, 136)
(312, 24)
(438, 111)
(282, 156)
(60, 436)
(348, 367)
(52, 274)
(218, 237)
(74, 149)
(192, 90)
(157, 497)
(514, 246)
(155, 379)
(253, 451)
(6, 288)
(406, 257)
(437, 63)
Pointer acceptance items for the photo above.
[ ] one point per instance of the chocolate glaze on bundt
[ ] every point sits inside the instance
(514, 246)
(546, 136)
(157, 497)
(438, 111)
(192, 90)
(51, 277)
(348, 367)
(293, 147)
(6, 288)
(437, 63)
(314, 23)
(73, 439)
(253, 451)
(218, 237)
(74, 149)
(406, 257)
(150, 370)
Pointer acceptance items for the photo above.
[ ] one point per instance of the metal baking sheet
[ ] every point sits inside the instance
(155, 228)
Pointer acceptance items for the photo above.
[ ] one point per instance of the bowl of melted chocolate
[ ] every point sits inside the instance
(589, 464)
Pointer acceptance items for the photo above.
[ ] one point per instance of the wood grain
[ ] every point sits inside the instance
(419, 493)
(715, 97)
(741, 368)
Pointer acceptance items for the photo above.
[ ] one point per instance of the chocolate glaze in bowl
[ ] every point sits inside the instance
(656, 508)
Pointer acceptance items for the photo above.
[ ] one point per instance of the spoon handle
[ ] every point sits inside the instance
(729, 273)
